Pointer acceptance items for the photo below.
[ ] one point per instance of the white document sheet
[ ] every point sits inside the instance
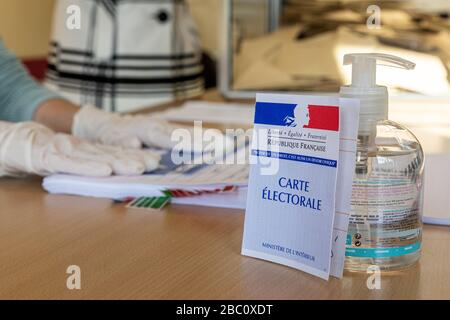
(349, 119)
(436, 207)
(213, 112)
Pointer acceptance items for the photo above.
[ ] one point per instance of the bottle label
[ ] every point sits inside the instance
(385, 219)
(382, 252)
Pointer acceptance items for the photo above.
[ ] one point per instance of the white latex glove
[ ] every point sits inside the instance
(32, 148)
(132, 131)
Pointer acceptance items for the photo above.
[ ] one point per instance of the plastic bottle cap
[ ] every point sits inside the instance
(373, 98)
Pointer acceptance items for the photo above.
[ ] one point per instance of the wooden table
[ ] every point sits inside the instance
(182, 252)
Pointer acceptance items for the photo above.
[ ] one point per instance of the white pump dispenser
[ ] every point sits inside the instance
(385, 223)
(373, 98)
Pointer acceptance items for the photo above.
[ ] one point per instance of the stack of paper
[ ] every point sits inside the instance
(180, 178)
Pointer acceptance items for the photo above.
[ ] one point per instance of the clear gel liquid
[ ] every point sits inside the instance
(386, 210)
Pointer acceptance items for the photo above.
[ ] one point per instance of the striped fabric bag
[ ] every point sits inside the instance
(126, 54)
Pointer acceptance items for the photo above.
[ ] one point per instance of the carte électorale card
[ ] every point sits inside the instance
(292, 185)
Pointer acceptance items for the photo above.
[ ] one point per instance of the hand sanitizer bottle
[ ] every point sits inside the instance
(386, 208)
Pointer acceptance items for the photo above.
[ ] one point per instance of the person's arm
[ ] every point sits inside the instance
(21, 96)
(56, 114)
(23, 99)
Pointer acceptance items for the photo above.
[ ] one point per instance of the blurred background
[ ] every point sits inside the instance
(25, 27)
(297, 46)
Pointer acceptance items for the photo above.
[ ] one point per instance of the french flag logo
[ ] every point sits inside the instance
(298, 115)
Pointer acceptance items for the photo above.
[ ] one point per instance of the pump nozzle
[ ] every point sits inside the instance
(364, 66)
(373, 98)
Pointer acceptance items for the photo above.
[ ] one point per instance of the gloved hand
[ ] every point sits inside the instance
(132, 131)
(32, 148)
